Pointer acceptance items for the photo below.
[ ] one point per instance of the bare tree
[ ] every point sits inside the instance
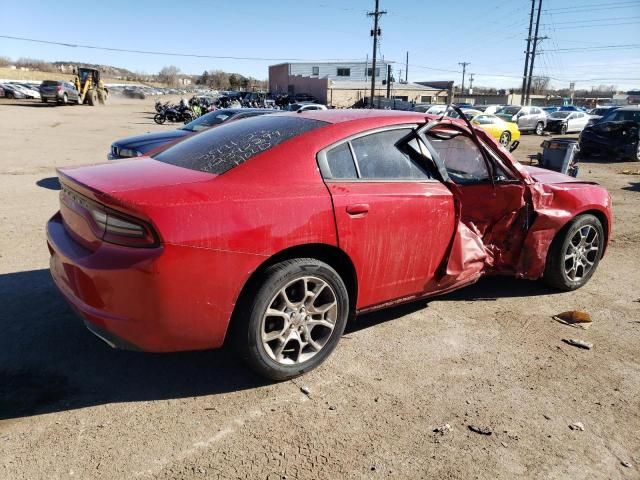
(540, 84)
(5, 61)
(169, 75)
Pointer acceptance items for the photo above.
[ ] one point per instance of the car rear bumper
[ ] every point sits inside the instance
(51, 96)
(139, 298)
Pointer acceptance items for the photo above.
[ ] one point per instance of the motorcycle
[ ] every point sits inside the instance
(174, 114)
(161, 106)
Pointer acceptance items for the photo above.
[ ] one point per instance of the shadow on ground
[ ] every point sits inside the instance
(49, 362)
(50, 183)
(633, 187)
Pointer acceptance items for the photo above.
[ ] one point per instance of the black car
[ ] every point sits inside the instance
(139, 145)
(616, 134)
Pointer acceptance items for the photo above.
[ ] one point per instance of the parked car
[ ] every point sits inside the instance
(571, 108)
(467, 112)
(1, 91)
(597, 113)
(529, 119)
(59, 91)
(566, 121)
(134, 93)
(504, 132)
(617, 134)
(421, 107)
(437, 109)
(11, 91)
(29, 91)
(271, 232)
(305, 107)
(139, 145)
(490, 109)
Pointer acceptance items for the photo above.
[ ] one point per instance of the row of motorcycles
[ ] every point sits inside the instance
(196, 106)
(181, 112)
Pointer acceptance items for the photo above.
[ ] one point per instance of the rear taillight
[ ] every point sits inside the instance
(59, 88)
(111, 225)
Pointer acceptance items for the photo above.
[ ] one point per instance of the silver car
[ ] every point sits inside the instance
(59, 91)
(529, 119)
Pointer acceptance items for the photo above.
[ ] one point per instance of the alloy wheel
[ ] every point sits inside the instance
(581, 253)
(299, 320)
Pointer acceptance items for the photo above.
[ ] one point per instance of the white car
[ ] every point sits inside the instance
(437, 109)
(492, 109)
(27, 92)
(567, 122)
(305, 107)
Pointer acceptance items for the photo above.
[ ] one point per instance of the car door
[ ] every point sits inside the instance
(393, 218)
(491, 200)
(580, 121)
(524, 119)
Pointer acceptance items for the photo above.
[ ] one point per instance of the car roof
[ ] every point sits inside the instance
(348, 115)
(630, 107)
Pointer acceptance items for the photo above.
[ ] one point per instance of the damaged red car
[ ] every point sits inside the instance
(273, 231)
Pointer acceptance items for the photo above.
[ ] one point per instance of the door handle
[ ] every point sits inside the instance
(358, 209)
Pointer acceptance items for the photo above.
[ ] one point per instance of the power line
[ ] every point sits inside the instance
(175, 54)
(591, 5)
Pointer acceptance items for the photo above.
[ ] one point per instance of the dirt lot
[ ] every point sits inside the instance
(488, 355)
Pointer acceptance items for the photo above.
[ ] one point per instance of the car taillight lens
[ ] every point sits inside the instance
(113, 226)
(59, 88)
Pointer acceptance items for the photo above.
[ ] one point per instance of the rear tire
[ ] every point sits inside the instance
(65, 99)
(575, 253)
(539, 128)
(310, 306)
(563, 129)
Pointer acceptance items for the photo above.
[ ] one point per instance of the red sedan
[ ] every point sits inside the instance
(274, 230)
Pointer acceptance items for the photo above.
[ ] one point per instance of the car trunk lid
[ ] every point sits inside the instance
(118, 187)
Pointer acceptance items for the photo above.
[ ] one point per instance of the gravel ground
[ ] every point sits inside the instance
(487, 356)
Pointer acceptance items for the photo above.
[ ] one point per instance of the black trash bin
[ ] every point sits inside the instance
(559, 155)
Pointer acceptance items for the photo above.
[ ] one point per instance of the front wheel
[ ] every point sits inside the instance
(294, 318)
(539, 128)
(159, 118)
(563, 129)
(575, 253)
(505, 138)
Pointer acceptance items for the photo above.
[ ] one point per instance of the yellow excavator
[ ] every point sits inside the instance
(90, 86)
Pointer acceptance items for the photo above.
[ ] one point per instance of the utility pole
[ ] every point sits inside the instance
(471, 84)
(526, 59)
(533, 52)
(464, 70)
(375, 33)
(406, 70)
(389, 81)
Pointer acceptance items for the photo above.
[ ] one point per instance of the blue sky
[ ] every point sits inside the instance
(490, 34)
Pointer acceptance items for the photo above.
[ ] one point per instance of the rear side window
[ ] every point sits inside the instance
(340, 162)
(383, 156)
(220, 149)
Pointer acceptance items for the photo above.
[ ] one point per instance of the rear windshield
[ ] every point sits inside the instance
(220, 149)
